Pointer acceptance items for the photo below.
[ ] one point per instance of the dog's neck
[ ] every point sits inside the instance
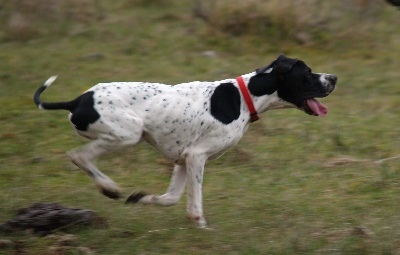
(266, 101)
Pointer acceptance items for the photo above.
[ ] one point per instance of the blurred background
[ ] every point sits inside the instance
(295, 184)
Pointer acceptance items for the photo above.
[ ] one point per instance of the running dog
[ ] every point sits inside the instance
(188, 123)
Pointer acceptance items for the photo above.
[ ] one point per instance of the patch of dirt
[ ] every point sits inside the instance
(45, 218)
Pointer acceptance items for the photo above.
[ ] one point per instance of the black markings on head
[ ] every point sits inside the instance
(225, 103)
(267, 83)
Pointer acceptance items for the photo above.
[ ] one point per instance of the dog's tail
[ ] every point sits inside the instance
(70, 106)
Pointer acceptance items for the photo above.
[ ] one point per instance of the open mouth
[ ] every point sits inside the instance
(313, 107)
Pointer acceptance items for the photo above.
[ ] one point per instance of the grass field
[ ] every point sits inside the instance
(295, 184)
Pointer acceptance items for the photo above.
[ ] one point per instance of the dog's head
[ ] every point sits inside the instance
(295, 84)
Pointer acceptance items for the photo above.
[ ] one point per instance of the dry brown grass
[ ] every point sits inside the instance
(24, 20)
(301, 20)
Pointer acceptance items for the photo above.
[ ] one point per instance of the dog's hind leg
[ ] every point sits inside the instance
(108, 138)
(84, 157)
(173, 194)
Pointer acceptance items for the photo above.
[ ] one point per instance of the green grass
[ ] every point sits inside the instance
(271, 194)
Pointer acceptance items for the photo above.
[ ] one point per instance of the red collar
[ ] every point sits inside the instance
(245, 92)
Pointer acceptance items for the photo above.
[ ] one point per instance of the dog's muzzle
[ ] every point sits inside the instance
(311, 105)
(331, 82)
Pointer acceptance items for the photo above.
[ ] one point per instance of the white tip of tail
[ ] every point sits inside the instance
(50, 80)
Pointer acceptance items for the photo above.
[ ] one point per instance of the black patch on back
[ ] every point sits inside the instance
(85, 114)
(225, 103)
(263, 84)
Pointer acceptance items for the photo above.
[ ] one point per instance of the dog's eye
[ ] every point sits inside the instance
(309, 73)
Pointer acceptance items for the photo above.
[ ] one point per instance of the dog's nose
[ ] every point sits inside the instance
(332, 78)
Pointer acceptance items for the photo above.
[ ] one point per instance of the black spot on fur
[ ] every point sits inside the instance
(85, 114)
(225, 103)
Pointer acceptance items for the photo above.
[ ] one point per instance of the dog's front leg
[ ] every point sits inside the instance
(195, 170)
(171, 197)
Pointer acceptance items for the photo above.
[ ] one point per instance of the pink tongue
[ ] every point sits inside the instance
(318, 108)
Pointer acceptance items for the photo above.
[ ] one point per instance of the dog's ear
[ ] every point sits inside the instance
(267, 83)
(262, 70)
(264, 83)
(284, 64)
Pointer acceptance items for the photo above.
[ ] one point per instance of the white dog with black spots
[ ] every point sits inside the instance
(188, 123)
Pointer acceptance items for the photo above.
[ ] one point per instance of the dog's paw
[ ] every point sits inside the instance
(108, 188)
(111, 194)
(198, 220)
(135, 197)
